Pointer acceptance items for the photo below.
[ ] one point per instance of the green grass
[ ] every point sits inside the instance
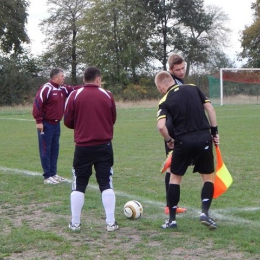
(34, 217)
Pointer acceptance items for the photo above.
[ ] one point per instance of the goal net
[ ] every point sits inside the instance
(235, 86)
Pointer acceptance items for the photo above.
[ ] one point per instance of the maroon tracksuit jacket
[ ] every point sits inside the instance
(49, 102)
(91, 112)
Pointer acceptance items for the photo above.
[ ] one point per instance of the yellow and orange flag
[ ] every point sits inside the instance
(223, 178)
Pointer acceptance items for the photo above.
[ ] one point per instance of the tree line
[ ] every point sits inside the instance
(129, 40)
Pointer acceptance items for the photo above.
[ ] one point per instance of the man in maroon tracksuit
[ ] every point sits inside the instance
(91, 112)
(48, 109)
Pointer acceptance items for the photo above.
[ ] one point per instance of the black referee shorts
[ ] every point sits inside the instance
(85, 157)
(193, 148)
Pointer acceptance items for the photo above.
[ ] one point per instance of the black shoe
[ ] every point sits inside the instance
(207, 221)
(167, 224)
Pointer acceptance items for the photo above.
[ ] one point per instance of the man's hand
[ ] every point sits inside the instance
(215, 139)
(40, 127)
(171, 143)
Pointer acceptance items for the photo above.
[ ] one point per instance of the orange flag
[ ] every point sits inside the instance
(167, 163)
(223, 178)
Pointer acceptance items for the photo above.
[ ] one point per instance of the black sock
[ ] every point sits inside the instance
(206, 196)
(173, 198)
(167, 181)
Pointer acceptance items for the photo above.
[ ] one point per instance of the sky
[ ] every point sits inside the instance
(239, 13)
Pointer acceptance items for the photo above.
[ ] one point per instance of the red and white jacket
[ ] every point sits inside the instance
(50, 101)
(91, 112)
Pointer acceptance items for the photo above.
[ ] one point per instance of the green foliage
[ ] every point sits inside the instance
(116, 39)
(145, 90)
(250, 39)
(13, 17)
(18, 79)
(201, 80)
(62, 30)
(123, 38)
(134, 92)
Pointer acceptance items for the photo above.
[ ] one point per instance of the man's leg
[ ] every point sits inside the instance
(76, 204)
(167, 182)
(173, 199)
(45, 143)
(104, 173)
(207, 192)
(109, 204)
(55, 149)
(81, 172)
(174, 195)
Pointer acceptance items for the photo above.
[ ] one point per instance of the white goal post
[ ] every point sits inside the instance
(235, 86)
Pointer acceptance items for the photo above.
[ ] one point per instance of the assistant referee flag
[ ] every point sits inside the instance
(223, 178)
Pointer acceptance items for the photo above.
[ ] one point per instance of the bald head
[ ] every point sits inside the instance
(163, 80)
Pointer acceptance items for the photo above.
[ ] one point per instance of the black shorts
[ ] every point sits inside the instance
(85, 157)
(193, 149)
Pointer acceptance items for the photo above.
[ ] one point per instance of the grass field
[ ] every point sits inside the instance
(34, 217)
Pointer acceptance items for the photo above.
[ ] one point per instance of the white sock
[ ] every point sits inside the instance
(76, 204)
(109, 203)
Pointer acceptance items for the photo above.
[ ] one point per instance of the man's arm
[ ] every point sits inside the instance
(68, 89)
(211, 114)
(164, 132)
(69, 112)
(113, 108)
(39, 101)
(213, 121)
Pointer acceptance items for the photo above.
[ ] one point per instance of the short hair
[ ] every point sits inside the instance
(175, 59)
(91, 73)
(54, 72)
(163, 77)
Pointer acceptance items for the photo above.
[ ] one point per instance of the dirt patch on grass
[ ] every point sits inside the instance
(94, 242)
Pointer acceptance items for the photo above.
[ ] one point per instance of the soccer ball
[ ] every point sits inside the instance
(133, 209)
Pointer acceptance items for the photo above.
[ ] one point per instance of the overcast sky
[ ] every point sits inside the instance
(239, 12)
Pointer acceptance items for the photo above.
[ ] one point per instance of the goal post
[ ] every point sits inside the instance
(235, 86)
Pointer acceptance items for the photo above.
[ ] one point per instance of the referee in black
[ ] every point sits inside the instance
(186, 105)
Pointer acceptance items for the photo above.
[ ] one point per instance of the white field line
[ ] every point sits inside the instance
(17, 119)
(222, 117)
(219, 214)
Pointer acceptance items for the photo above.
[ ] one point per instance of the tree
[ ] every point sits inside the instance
(115, 39)
(250, 41)
(19, 78)
(13, 17)
(62, 29)
(187, 26)
(203, 32)
(166, 28)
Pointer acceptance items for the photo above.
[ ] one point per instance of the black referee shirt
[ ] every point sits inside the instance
(185, 106)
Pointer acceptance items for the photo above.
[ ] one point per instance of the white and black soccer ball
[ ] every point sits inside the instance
(133, 209)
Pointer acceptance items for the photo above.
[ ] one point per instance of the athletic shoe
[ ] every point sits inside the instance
(75, 227)
(207, 221)
(112, 227)
(58, 178)
(50, 180)
(179, 210)
(167, 224)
